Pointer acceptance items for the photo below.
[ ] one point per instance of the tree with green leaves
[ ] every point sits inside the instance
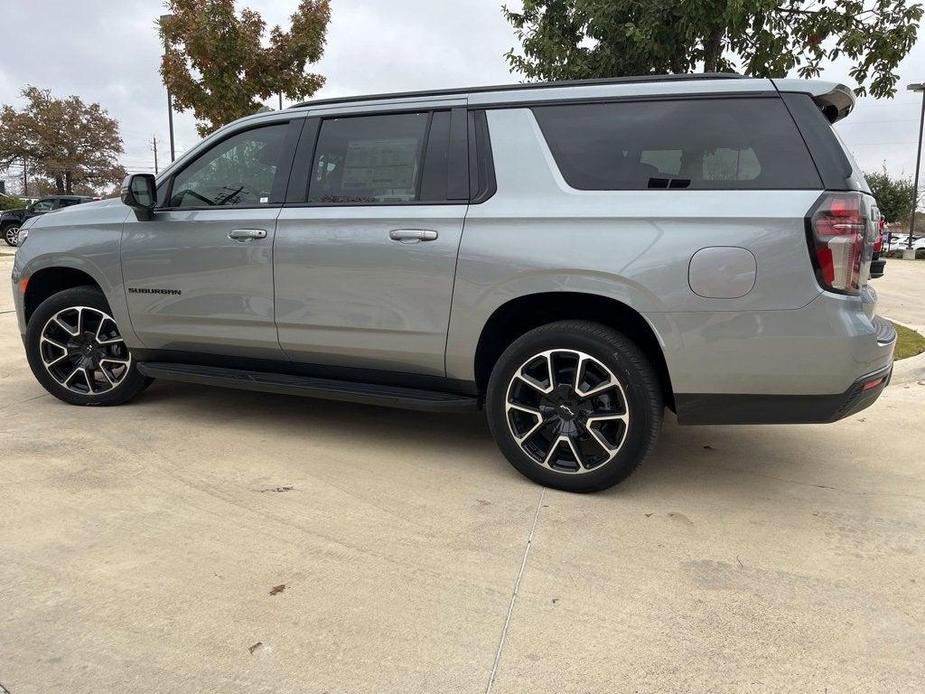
(11, 202)
(580, 39)
(894, 195)
(74, 144)
(217, 65)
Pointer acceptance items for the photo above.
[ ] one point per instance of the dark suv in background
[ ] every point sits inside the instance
(12, 220)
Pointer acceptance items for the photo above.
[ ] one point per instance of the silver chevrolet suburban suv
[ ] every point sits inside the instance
(571, 257)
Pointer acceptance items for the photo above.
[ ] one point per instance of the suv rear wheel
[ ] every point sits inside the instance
(76, 352)
(574, 405)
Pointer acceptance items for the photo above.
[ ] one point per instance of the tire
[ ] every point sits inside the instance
(76, 352)
(11, 234)
(543, 425)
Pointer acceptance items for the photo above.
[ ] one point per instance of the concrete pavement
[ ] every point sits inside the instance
(140, 546)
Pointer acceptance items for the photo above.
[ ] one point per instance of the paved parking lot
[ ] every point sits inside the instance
(144, 549)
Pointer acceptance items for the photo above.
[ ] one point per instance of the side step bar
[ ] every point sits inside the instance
(328, 389)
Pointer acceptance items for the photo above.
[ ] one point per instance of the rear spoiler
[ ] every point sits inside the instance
(835, 100)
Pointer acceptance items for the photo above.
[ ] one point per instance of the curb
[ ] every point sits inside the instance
(911, 369)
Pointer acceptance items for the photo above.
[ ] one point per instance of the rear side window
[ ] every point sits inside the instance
(686, 143)
(381, 159)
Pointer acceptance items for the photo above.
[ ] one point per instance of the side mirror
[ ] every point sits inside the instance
(140, 193)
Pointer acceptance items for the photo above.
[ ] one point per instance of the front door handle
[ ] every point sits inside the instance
(412, 235)
(247, 234)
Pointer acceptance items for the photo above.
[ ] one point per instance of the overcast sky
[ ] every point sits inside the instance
(108, 51)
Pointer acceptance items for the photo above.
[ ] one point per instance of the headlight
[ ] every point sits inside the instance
(24, 231)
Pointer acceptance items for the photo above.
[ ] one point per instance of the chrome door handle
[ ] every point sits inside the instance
(247, 234)
(412, 235)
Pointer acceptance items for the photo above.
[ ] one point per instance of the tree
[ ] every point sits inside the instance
(579, 39)
(11, 202)
(894, 195)
(76, 145)
(216, 65)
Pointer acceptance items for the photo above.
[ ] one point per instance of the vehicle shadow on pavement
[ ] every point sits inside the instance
(739, 460)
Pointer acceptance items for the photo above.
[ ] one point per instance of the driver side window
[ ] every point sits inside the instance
(237, 172)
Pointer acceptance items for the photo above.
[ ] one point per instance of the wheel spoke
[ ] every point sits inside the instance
(554, 449)
(71, 375)
(55, 361)
(599, 438)
(533, 384)
(120, 362)
(528, 410)
(99, 329)
(611, 381)
(107, 376)
(65, 328)
(54, 343)
(579, 458)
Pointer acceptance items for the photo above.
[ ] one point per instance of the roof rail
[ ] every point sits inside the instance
(524, 85)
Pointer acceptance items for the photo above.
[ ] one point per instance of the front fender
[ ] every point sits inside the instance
(91, 247)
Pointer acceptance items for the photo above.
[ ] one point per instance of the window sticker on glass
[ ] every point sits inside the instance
(386, 166)
(369, 159)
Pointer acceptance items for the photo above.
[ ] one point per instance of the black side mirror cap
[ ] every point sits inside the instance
(140, 193)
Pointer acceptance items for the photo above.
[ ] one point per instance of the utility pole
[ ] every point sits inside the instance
(166, 18)
(909, 253)
(280, 101)
(25, 180)
(154, 147)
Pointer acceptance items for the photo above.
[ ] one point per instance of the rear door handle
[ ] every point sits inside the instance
(247, 234)
(412, 235)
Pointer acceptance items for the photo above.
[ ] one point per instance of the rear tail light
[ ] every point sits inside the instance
(878, 244)
(837, 229)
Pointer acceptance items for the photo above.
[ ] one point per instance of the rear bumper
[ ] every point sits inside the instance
(711, 408)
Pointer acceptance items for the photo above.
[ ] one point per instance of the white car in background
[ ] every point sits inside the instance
(898, 243)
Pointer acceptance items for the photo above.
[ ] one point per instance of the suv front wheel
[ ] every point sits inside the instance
(76, 352)
(574, 405)
(11, 234)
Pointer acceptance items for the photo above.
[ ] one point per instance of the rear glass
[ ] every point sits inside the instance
(686, 143)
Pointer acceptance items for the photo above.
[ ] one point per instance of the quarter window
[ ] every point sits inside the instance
(685, 143)
(381, 159)
(239, 171)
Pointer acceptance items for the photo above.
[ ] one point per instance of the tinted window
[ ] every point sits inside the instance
(67, 202)
(687, 143)
(238, 171)
(379, 159)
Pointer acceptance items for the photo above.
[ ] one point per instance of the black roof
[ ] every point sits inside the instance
(525, 85)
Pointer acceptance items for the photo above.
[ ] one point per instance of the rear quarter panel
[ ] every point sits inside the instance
(537, 234)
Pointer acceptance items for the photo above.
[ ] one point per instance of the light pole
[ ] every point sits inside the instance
(167, 18)
(920, 87)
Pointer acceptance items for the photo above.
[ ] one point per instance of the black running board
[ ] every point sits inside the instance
(328, 389)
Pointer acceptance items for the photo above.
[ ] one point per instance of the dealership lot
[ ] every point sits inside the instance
(210, 540)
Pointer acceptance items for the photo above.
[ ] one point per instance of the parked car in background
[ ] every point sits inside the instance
(12, 220)
(572, 257)
(899, 243)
